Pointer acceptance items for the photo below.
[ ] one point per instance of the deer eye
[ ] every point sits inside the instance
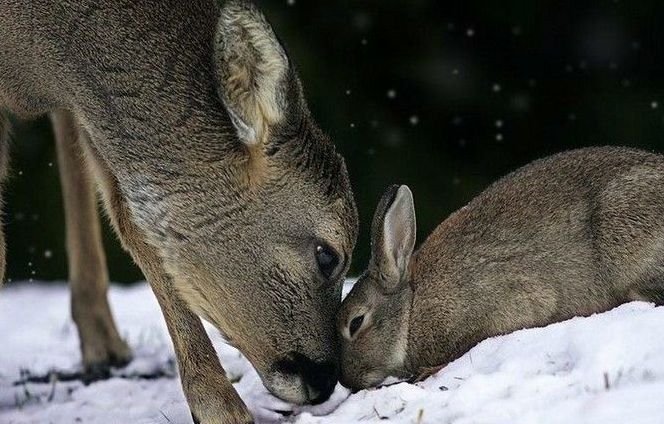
(327, 259)
(355, 324)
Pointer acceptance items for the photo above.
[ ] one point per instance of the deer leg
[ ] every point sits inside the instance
(4, 165)
(101, 345)
(211, 397)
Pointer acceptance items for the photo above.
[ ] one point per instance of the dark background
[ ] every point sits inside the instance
(443, 96)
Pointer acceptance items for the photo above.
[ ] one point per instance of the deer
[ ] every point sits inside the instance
(574, 234)
(190, 122)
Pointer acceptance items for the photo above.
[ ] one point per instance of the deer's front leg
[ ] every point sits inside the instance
(211, 397)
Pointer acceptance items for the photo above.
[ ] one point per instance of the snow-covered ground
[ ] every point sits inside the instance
(608, 368)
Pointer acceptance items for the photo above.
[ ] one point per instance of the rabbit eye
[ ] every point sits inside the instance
(355, 324)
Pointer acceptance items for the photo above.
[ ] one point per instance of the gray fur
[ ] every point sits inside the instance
(572, 234)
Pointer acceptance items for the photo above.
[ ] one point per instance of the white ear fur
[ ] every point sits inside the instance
(246, 133)
(252, 68)
(399, 231)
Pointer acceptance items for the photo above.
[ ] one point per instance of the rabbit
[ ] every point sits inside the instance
(570, 235)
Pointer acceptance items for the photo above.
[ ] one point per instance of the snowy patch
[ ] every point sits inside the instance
(608, 368)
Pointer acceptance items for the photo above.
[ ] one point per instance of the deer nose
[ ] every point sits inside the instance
(318, 377)
(320, 380)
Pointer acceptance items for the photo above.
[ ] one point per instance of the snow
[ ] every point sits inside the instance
(608, 368)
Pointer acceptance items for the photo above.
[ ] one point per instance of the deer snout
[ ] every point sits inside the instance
(317, 379)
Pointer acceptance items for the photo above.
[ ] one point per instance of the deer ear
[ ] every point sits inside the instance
(252, 71)
(393, 236)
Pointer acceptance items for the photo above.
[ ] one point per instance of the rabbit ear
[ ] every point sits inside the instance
(393, 235)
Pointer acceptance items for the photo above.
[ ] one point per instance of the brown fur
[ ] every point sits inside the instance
(88, 275)
(221, 188)
(573, 234)
(4, 164)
